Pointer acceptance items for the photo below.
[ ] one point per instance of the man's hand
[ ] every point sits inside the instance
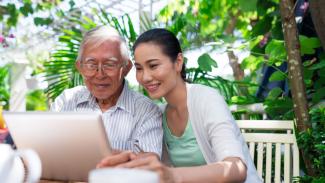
(116, 158)
(150, 161)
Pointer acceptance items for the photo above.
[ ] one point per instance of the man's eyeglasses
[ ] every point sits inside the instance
(90, 69)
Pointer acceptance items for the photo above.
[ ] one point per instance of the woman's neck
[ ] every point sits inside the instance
(177, 97)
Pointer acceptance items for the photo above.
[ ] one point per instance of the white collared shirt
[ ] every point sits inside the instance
(133, 118)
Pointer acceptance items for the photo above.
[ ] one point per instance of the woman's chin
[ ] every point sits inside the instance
(155, 96)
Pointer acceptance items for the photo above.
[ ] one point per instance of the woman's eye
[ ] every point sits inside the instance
(153, 66)
(138, 68)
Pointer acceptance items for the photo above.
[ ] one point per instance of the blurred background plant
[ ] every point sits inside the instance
(4, 86)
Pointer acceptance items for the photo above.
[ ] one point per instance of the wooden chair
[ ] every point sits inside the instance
(272, 140)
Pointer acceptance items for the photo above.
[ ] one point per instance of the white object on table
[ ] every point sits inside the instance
(12, 167)
(122, 175)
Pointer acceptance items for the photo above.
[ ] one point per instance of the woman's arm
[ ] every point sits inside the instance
(231, 169)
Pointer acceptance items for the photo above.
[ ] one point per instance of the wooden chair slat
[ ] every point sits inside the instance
(260, 149)
(268, 168)
(274, 135)
(277, 169)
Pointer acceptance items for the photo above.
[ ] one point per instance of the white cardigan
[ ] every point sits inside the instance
(216, 132)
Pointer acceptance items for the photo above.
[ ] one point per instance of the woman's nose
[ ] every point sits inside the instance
(146, 76)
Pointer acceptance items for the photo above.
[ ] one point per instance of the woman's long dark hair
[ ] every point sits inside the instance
(166, 40)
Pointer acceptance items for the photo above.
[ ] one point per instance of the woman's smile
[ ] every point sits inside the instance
(151, 88)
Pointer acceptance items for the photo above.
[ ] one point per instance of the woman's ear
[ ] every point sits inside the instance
(179, 62)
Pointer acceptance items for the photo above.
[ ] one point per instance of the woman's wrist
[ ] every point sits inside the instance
(176, 175)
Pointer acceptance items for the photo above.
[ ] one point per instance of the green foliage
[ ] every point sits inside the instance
(247, 5)
(262, 26)
(274, 93)
(229, 89)
(277, 76)
(42, 21)
(206, 62)
(36, 101)
(278, 108)
(242, 100)
(4, 86)
(26, 9)
(252, 63)
(11, 12)
(312, 141)
(276, 52)
(308, 45)
(319, 65)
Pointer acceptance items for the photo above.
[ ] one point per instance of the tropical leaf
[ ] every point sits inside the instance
(277, 76)
(206, 62)
(308, 45)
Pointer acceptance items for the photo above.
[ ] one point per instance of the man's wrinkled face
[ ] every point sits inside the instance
(103, 69)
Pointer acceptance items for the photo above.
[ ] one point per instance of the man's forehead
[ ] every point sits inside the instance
(108, 48)
(95, 44)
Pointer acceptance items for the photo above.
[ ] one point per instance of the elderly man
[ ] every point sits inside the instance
(131, 120)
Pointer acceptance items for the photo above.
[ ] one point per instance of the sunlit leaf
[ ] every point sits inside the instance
(252, 63)
(206, 62)
(274, 93)
(308, 45)
(277, 76)
(276, 51)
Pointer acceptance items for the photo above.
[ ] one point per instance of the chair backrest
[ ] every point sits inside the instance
(272, 141)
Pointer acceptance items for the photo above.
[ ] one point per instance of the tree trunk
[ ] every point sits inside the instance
(233, 61)
(238, 73)
(298, 89)
(318, 16)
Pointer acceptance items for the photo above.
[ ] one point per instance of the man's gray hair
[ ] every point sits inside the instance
(97, 36)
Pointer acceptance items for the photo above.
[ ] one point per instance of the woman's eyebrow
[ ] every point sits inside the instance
(147, 61)
(151, 60)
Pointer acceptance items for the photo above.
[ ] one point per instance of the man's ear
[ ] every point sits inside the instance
(179, 62)
(127, 68)
(77, 64)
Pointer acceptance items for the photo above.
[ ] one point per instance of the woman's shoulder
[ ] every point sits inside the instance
(195, 89)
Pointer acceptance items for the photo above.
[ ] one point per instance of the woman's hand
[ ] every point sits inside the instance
(117, 157)
(151, 162)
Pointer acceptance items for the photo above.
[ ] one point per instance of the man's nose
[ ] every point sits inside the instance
(100, 72)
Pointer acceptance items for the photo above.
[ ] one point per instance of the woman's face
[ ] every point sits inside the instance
(155, 71)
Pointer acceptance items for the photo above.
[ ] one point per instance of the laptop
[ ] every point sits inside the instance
(69, 144)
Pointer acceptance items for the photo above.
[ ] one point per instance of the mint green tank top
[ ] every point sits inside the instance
(183, 151)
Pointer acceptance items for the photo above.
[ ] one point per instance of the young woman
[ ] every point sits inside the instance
(202, 140)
